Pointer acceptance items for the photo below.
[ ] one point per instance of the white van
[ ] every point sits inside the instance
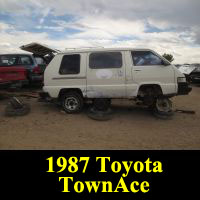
(104, 74)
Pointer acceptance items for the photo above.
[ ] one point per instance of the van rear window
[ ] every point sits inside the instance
(103, 60)
(70, 64)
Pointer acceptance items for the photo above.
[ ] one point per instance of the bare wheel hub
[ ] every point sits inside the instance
(71, 103)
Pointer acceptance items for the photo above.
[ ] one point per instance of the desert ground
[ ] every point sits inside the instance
(132, 127)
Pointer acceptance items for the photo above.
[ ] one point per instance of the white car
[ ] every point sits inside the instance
(102, 74)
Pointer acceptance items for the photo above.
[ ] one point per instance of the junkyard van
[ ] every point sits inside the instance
(102, 74)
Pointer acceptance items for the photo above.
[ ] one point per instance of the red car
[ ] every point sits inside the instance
(20, 69)
(12, 77)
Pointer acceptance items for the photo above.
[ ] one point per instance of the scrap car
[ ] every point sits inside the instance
(195, 74)
(34, 63)
(12, 77)
(191, 72)
(104, 74)
(34, 66)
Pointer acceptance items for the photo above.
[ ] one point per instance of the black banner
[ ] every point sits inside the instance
(101, 174)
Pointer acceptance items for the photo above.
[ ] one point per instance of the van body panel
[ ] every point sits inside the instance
(106, 83)
(55, 81)
(119, 82)
(131, 85)
(154, 74)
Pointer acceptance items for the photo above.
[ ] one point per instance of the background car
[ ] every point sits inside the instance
(12, 77)
(34, 65)
(195, 74)
(191, 72)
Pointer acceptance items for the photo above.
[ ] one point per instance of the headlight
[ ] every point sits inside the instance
(181, 79)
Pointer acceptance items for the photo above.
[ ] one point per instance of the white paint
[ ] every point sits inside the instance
(104, 74)
(113, 82)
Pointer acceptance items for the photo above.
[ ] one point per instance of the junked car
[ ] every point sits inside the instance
(195, 74)
(27, 61)
(40, 50)
(104, 74)
(12, 77)
(41, 55)
(35, 62)
(192, 72)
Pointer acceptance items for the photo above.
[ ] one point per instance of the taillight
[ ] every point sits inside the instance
(37, 70)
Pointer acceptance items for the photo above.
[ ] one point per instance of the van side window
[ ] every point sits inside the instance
(103, 60)
(70, 64)
(142, 58)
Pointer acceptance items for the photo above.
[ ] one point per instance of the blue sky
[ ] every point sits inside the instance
(167, 27)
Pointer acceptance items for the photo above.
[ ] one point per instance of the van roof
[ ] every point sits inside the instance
(85, 50)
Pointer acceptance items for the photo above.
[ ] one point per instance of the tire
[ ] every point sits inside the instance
(163, 105)
(15, 102)
(10, 111)
(162, 108)
(163, 116)
(72, 102)
(98, 115)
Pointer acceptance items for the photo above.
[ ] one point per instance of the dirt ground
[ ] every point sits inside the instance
(132, 127)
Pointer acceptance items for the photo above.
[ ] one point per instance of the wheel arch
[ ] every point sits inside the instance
(67, 90)
(156, 88)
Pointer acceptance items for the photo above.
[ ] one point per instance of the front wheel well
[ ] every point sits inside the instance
(150, 90)
(148, 93)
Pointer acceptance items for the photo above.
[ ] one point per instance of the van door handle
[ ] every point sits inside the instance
(137, 70)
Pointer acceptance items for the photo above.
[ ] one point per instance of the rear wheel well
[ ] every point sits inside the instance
(67, 90)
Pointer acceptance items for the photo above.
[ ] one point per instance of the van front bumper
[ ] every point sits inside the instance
(184, 88)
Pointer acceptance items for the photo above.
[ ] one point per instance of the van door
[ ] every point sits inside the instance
(106, 75)
(149, 68)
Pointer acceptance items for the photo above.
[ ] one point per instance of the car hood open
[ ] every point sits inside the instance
(38, 49)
